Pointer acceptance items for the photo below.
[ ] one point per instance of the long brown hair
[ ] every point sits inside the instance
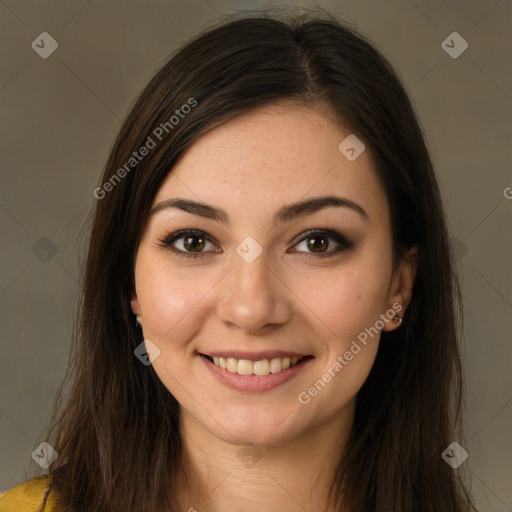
(118, 436)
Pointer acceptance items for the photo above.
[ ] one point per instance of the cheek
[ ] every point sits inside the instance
(346, 306)
(350, 303)
(345, 301)
(170, 301)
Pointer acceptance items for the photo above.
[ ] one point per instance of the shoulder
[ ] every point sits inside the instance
(35, 495)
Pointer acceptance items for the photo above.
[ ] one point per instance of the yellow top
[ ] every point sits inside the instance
(36, 495)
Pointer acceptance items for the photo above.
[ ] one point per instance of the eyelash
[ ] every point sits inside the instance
(343, 242)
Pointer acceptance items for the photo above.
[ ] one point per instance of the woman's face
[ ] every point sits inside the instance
(262, 280)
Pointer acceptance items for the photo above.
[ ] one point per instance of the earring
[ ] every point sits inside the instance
(138, 320)
(397, 319)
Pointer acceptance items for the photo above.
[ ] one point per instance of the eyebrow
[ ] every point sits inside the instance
(285, 214)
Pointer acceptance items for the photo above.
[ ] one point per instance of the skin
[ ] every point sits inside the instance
(250, 167)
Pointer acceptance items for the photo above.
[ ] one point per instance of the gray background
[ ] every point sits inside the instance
(60, 116)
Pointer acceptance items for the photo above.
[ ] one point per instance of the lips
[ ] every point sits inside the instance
(260, 379)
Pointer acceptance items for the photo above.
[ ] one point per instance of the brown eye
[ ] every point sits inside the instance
(194, 243)
(317, 243)
(322, 243)
(189, 243)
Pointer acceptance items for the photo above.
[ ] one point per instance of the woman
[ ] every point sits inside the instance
(270, 217)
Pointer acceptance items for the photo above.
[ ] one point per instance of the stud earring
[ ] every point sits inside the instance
(397, 319)
(138, 320)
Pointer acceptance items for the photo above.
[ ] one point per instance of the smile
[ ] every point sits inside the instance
(258, 374)
(248, 367)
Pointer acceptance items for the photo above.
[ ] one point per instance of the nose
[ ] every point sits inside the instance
(252, 297)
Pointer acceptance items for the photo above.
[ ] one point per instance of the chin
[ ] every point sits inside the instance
(264, 429)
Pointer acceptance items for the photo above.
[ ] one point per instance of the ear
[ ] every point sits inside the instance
(134, 303)
(400, 290)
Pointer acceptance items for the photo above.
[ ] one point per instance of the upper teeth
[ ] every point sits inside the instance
(262, 367)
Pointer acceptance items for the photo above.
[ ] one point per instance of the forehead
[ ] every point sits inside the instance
(273, 156)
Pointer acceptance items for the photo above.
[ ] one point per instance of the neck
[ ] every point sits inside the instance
(292, 476)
